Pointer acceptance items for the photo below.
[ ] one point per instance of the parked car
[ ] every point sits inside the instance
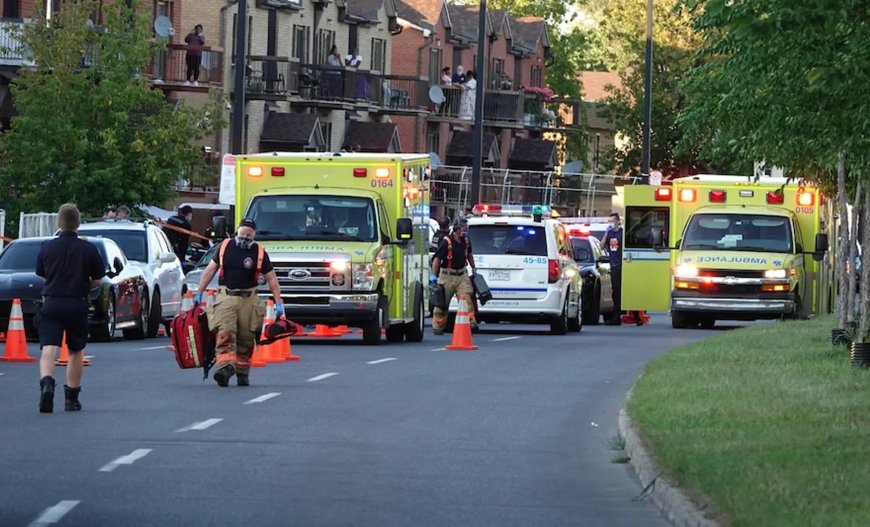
(191, 280)
(595, 273)
(147, 248)
(118, 303)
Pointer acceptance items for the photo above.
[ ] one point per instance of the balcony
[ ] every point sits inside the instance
(281, 78)
(168, 70)
(555, 115)
(12, 52)
(509, 109)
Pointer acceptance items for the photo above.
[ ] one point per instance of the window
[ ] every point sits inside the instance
(300, 43)
(11, 8)
(323, 43)
(112, 252)
(133, 243)
(154, 249)
(323, 218)
(537, 76)
(523, 240)
(235, 23)
(20, 256)
(434, 66)
(640, 223)
(353, 38)
(495, 73)
(518, 72)
(379, 55)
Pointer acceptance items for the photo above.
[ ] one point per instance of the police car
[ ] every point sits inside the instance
(527, 260)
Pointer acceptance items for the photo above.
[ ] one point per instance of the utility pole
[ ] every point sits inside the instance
(647, 95)
(477, 132)
(239, 88)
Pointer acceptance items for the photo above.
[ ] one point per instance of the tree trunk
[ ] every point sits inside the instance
(864, 327)
(843, 240)
(857, 209)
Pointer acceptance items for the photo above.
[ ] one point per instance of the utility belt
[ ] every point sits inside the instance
(244, 293)
(454, 272)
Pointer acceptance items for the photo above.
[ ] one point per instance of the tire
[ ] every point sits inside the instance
(707, 322)
(139, 332)
(592, 315)
(680, 320)
(106, 330)
(372, 329)
(154, 319)
(395, 333)
(414, 330)
(559, 326)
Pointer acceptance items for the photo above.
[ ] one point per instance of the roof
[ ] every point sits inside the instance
(423, 13)
(462, 144)
(498, 17)
(330, 157)
(528, 30)
(595, 84)
(533, 151)
(372, 136)
(366, 9)
(466, 20)
(289, 127)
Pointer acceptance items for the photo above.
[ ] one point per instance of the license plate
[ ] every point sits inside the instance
(500, 276)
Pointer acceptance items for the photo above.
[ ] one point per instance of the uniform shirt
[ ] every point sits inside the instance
(68, 264)
(613, 243)
(460, 252)
(240, 266)
(178, 240)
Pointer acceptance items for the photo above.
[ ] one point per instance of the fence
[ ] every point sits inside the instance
(12, 51)
(581, 194)
(37, 224)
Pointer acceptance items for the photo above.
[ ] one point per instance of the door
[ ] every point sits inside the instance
(604, 273)
(169, 275)
(646, 272)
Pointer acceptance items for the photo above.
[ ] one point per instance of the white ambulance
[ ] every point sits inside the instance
(526, 258)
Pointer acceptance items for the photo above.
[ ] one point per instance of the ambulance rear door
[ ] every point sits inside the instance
(646, 272)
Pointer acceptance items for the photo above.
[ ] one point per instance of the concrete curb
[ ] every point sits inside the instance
(676, 507)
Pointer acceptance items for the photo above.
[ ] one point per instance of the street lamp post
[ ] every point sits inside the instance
(239, 88)
(647, 95)
(477, 132)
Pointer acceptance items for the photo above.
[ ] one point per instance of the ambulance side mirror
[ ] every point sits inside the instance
(219, 226)
(821, 246)
(404, 230)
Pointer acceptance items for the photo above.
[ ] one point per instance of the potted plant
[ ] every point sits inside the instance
(533, 106)
(256, 86)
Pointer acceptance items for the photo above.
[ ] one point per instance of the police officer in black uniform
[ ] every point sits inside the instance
(178, 239)
(71, 267)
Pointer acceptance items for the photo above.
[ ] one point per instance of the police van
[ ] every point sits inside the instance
(526, 258)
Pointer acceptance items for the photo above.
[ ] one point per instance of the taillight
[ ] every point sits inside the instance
(663, 194)
(775, 198)
(278, 171)
(486, 208)
(554, 271)
(717, 196)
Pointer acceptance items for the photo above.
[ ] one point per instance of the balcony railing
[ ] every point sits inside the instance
(498, 106)
(556, 113)
(12, 51)
(175, 65)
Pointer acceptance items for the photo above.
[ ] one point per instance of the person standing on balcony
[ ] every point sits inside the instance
(195, 41)
(469, 93)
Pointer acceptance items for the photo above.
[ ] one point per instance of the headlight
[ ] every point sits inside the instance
(363, 277)
(775, 273)
(686, 271)
(339, 266)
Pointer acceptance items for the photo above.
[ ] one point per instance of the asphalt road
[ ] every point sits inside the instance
(516, 433)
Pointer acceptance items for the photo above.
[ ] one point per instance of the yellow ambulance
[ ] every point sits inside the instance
(713, 247)
(347, 234)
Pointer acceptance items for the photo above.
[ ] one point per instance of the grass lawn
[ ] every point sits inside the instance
(770, 425)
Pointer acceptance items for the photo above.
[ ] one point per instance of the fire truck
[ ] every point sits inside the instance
(713, 247)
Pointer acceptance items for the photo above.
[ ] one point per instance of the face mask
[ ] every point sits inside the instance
(612, 226)
(244, 243)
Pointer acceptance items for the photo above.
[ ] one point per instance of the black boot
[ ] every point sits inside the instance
(72, 398)
(46, 395)
(222, 376)
(242, 379)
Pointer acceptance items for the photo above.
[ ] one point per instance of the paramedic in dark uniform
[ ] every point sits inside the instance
(71, 267)
(179, 240)
(613, 243)
(449, 265)
(236, 315)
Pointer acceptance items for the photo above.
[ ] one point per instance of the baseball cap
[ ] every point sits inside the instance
(248, 222)
(186, 209)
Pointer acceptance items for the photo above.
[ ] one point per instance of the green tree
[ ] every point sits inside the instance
(89, 128)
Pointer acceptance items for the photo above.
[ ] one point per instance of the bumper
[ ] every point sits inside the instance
(502, 307)
(349, 308)
(757, 307)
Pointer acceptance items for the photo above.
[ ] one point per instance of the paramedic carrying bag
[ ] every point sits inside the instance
(280, 329)
(481, 289)
(193, 342)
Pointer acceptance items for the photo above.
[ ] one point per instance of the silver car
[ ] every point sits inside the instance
(191, 281)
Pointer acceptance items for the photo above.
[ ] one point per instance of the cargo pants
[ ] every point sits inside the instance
(237, 322)
(454, 284)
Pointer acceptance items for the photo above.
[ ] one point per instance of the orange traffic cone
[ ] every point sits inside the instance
(187, 301)
(271, 352)
(462, 329)
(15, 349)
(2, 336)
(287, 350)
(342, 330)
(257, 360)
(323, 331)
(63, 360)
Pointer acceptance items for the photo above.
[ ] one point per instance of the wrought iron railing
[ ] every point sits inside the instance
(12, 51)
(177, 64)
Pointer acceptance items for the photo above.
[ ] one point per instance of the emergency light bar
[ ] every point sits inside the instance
(775, 198)
(717, 196)
(486, 209)
(805, 199)
(663, 194)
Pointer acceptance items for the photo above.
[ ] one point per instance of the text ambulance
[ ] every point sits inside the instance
(347, 234)
(726, 248)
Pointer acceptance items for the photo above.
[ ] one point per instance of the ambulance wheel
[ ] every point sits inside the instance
(372, 329)
(414, 329)
(707, 322)
(559, 325)
(680, 320)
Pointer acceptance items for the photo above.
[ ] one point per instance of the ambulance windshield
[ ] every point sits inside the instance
(333, 218)
(739, 232)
